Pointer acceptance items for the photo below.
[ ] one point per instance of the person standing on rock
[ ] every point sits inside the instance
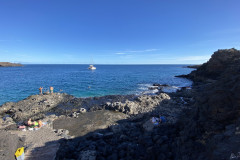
(51, 90)
(40, 90)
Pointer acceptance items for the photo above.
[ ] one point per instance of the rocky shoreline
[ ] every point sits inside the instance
(201, 123)
(8, 64)
(111, 114)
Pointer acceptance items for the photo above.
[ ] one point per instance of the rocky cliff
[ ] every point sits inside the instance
(220, 85)
(212, 131)
(8, 64)
(220, 63)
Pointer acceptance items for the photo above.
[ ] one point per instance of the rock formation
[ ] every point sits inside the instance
(221, 62)
(211, 129)
(33, 106)
(142, 104)
(8, 64)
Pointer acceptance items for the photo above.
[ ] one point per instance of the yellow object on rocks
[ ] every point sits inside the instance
(20, 153)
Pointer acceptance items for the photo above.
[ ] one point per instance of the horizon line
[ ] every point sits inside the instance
(106, 64)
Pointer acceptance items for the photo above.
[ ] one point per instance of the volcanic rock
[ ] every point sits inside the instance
(216, 110)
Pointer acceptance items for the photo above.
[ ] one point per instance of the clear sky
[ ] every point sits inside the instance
(117, 31)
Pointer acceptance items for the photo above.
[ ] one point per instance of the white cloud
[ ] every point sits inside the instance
(135, 51)
(195, 58)
(120, 53)
(151, 50)
(138, 51)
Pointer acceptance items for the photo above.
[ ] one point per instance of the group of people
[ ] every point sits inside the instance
(34, 124)
(41, 89)
(31, 124)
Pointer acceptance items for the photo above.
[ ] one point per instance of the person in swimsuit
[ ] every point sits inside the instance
(40, 90)
(34, 124)
(51, 90)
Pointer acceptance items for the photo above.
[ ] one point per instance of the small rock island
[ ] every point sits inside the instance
(8, 64)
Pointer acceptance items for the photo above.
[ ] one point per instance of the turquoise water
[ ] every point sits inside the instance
(17, 83)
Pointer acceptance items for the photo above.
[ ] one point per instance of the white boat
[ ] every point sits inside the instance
(91, 67)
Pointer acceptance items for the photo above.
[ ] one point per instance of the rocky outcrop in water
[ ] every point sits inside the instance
(8, 64)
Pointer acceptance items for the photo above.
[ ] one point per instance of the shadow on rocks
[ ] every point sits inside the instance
(132, 138)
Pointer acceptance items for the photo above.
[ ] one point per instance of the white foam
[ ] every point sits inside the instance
(144, 86)
(144, 89)
(170, 89)
(150, 92)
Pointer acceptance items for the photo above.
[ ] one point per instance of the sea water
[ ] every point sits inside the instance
(17, 83)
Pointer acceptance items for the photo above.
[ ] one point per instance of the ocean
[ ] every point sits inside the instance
(17, 83)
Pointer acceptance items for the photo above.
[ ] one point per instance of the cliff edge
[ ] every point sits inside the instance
(220, 63)
(211, 130)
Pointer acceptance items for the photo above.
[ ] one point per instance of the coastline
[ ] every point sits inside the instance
(61, 109)
(8, 64)
(202, 123)
(80, 82)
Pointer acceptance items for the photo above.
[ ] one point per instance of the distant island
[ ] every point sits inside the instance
(194, 66)
(8, 64)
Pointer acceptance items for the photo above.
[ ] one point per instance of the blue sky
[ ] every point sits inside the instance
(117, 31)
